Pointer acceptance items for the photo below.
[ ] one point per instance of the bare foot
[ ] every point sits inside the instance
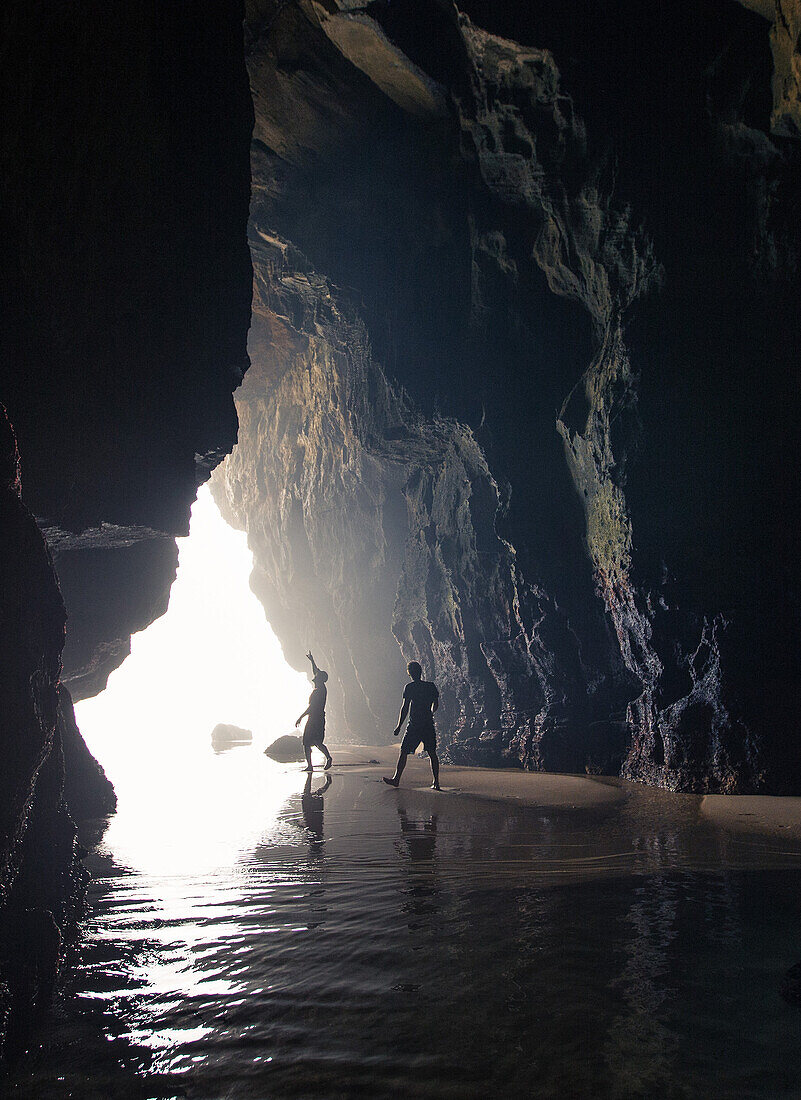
(328, 764)
(309, 769)
(390, 782)
(436, 787)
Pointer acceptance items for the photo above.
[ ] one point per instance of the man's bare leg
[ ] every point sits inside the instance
(435, 770)
(395, 780)
(307, 752)
(328, 759)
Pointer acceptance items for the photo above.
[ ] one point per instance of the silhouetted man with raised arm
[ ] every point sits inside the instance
(422, 699)
(314, 733)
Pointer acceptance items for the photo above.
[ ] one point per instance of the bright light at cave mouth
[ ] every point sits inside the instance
(212, 658)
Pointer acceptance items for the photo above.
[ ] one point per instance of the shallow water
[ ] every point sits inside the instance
(367, 942)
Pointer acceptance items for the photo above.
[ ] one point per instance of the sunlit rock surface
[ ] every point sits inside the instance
(785, 39)
(374, 536)
(785, 42)
(503, 414)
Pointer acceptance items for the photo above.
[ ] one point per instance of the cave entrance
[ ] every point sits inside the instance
(212, 658)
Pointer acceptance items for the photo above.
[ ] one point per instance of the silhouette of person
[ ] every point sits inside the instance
(422, 698)
(311, 804)
(314, 733)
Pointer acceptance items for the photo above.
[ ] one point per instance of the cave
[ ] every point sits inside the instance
(477, 324)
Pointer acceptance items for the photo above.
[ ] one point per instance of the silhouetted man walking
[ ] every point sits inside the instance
(422, 698)
(314, 733)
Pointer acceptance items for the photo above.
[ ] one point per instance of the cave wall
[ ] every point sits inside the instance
(124, 172)
(374, 535)
(523, 402)
(126, 187)
(572, 237)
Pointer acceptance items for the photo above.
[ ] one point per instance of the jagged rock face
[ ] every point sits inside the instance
(37, 849)
(111, 593)
(785, 44)
(33, 620)
(574, 256)
(88, 792)
(372, 525)
(785, 41)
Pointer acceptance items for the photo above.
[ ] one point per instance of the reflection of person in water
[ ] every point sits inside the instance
(420, 836)
(314, 733)
(422, 698)
(311, 803)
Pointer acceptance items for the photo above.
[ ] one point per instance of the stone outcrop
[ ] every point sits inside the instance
(111, 591)
(225, 736)
(785, 41)
(88, 792)
(287, 749)
(39, 871)
(785, 44)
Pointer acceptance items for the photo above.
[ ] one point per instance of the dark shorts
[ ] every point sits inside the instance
(314, 733)
(415, 734)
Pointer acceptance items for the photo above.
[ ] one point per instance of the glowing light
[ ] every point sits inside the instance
(212, 658)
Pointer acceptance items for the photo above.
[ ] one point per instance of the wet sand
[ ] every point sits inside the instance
(253, 934)
(767, 815)
(500, 784)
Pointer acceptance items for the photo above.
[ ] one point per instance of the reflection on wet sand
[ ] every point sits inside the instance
(312, 807)
(380, 942)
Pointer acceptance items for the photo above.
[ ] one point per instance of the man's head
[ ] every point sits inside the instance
(321, 677)
(415, 670)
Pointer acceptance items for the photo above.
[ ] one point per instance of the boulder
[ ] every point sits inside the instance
(286, 750)
(225, 736)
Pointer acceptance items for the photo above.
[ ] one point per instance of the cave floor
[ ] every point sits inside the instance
(249, 938)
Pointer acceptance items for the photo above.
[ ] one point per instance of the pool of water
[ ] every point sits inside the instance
(256, 936)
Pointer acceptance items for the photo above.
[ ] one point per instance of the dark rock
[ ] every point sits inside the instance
(32, 636)
(286, 750)
(109, 592)
(41, 881)
(791, 985)
(225, 735)
(124, 332)
(87, 790)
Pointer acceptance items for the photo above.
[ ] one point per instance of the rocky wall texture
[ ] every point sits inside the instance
(41, 877)
(374, 537)
(569, 242)
(785, 41)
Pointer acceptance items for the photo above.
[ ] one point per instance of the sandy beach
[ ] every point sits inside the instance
(762, 814)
